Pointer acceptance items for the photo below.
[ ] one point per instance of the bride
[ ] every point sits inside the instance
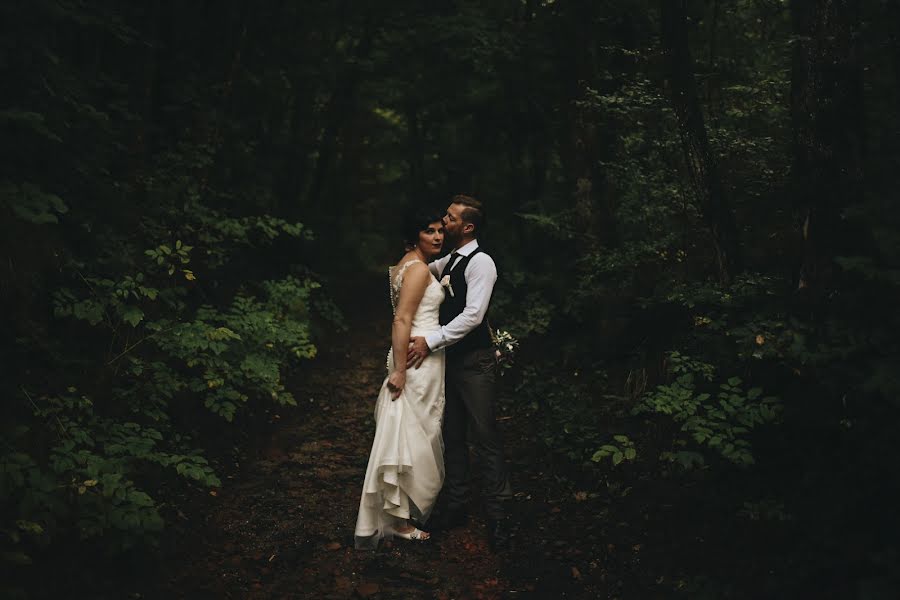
(406, 465)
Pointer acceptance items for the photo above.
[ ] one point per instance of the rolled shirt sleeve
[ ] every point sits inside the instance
(481, 275)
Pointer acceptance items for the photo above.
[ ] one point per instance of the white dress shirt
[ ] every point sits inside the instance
(481, 275)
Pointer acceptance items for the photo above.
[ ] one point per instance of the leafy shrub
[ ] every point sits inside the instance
(84, 464)
(622, 450)
(720, 421)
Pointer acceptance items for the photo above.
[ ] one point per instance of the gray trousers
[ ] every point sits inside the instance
(470, 409)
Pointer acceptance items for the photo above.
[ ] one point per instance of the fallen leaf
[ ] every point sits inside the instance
(333, 546)
(367, 589)
(576, 574)
(342, 583)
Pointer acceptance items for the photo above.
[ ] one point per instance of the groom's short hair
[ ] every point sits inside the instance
(472, 213)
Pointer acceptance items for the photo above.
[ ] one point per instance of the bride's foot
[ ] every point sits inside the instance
(409, 532)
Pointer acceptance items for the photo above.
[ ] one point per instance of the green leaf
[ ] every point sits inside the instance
(29, 527)
(132, 315)
(689, 459)
(16, 558)
(29, 203)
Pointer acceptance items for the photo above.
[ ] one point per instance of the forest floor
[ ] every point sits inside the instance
(281, 525)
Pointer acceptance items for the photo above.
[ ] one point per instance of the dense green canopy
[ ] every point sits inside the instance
(691, 205)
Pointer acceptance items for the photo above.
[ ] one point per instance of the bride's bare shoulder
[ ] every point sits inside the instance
(417, 270)
(408, 269)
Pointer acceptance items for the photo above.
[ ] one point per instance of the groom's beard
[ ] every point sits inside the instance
(451, 241)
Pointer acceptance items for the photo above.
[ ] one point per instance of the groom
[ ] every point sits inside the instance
(471, 369)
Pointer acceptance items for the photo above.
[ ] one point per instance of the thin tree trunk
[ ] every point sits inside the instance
(826, 107)
(339, 107)
(216, 137)
(894, 40)
(583, 150)
(701, 163)
(143, 144)
(714, 75)
(416, 152)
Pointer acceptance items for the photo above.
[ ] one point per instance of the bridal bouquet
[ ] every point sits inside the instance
(505, 346)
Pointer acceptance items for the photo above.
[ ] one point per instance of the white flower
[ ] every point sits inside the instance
(505, 346)
(445, 281)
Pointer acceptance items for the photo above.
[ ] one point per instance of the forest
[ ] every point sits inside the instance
(691, 205)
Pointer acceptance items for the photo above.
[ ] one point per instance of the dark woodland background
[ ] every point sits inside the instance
(691, 204)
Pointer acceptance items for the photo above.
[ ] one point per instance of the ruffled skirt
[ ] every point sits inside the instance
(406, 464)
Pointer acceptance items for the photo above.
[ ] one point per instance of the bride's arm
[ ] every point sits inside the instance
(415, 281)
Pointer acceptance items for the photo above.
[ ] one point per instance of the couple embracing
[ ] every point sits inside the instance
(439, 387)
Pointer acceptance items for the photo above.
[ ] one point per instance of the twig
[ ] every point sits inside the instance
(109, 320)
(36, 407)
(127, 337)
(137, 343)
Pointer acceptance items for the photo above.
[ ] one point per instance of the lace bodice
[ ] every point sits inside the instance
(426, 318)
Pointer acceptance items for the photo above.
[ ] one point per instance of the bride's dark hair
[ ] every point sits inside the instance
(417, 220)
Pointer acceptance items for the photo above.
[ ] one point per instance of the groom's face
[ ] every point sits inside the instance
(454, 225)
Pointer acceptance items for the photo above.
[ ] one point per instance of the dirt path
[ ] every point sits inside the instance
(282, 527)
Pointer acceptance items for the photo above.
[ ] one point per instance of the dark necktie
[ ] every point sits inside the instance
(453, 256)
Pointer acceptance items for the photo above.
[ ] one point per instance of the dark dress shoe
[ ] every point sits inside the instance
(499, 534)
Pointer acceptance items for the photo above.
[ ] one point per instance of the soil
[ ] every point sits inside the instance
(281, 526)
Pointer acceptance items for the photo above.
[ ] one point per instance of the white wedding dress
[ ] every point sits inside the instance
(406, 465)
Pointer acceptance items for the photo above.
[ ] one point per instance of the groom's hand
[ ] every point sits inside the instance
(417, 352)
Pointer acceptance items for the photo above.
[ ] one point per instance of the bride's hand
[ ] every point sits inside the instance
(395, 383)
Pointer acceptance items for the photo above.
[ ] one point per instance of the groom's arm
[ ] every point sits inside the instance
(437, 266)
(418, 349)
(481, 275)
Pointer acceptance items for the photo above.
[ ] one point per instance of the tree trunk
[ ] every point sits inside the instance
(416, 152)
(826, 109)
(216, 137)
(702, 168)
(893, 14)
(714, 76)
(339, 108)
(587, 143)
